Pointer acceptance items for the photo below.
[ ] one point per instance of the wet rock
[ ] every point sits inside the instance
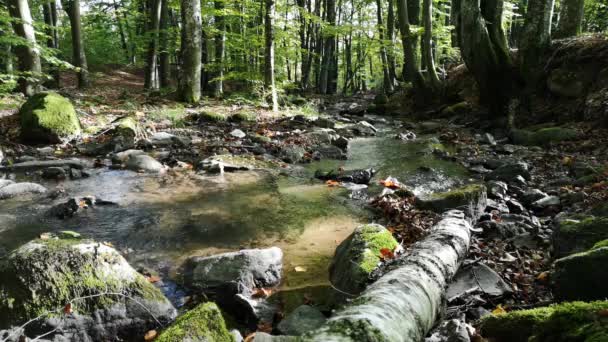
(1, 156)
(532, 195)
(34, 165)
(488, 138)
(341, 142)
(324, 123)
(547, 202)
(44, 275)
(515, 207)
(167, 139)
(5, 182)
(236, 335)
(292, 154)
(237, 133)
(20, 189)
(477, 276)
(329, 152)
(573, 236)
(122, 157)
(46, 151)
(508, 172)
(543, 137)
(235, 272)
(203, 323)
(73, 205)
(364, 128)
(354, 176)
(505, 149)
(252, 310)
(231, 163)
(497, 189)
(264, 337)
(472, 198)
(143, 162)
(302, 320)
(407, 136)
(358, 256)
(48, 118)
(354, 109)
(452, 330)
(498, 206)
(55, 173)
(582, 276)
(519, 181)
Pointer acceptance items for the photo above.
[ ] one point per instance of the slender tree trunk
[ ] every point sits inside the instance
(190, 79)
(205, 75)
(49, 10)
(388, 84)
(269, 81)
(427, 14)
(72, 7)
(28, 55)
(408, 40)
(329, 49)
(121, 31)
(535, 39)
(390, 36)
(220, 42)
(570, 18)
(151, 76)
(164, 66)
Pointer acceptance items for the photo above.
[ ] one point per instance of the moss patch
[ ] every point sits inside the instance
(204, 323)
(544, 136)
(582, 276)
(243, 116)
(48, 117)
(574, 321)
(603, 243)
(574, 237)
(205, 116)
(464, 197)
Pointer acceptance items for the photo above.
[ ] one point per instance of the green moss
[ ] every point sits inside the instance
(211, 117)
(456, 109)
(572, 321)
(48, 117)
(127, 126)
(603, 243)
(466, 196)
(375, 240)
(204, 323)
(544, 136)
(244, 116)
(44, 275)
(352, 330)
(573, 237)
(582, 276)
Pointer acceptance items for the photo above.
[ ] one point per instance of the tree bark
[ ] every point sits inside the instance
(484, 49)
(72, 7)
(410, 65)
(427, 14)
(404, 304)
(388, 83)
(535, 39)
(164, 66)
(205, 73)
(121, 31)
(28, 55)
(190, 78)
(269, 81)
(570, 18)
(220, 44)
(49, 10)
(329, 50)
(151, 73)
(390, 36)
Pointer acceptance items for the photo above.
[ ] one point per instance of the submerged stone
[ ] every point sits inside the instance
(48, 118)
(582, 276)
(303, 319)
(358, 256)
(44, 275)
(203, 323)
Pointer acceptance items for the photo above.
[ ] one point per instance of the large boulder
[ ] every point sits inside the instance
(471, 198)
(509, 171)
(565, 322)
(573, 236)
(235, 272)
(86, 288)
(358, 256)
(582, 276)
(48, 118)
(204, 323)
(20, 189)
(144, 163)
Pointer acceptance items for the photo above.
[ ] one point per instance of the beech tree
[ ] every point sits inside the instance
(269, 80)
(79, 58)
(570, 18)
(190, 78)
(28, 52)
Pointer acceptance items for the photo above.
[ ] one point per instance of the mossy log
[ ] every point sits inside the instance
(404, 304)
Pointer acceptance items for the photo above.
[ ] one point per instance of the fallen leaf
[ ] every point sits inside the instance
(499, 310)
(153, 279)
(249, 337)
(45, 236)
(150, 335)
(543, 277)
(332, 183)
(67, 309)
(261, 293)
(387, 254)
(300, 269)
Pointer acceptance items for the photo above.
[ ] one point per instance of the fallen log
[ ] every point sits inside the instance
(403, 304)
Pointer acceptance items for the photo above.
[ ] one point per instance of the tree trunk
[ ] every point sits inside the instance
(72, 7)
(404, 304)
(28, 55)
(484, 49)
(205, 74)
(220, 42)
(388, 83)
(329, 50)
(570, 18)
(164, 66)
(408, 40)
(190, 78)
(536, 38)
(49, 10)
(121, 31)
(390, 36)
(151, 72)
(427, 14)
(269, 81)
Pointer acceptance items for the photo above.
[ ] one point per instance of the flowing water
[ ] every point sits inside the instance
(161, 220)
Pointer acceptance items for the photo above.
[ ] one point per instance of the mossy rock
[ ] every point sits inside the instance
(126, 127)
(205, 116)
(243, 116)
(471, 198)
(578, 236)
(48, 118)
(600, 210)
(543, 136)
(203, 323)
(381, 100)
(567, 83)
(359, 255)
(603, 243)
(45, 275)
(565, 322)
(456, 109)
(582, 276)
(297, 100)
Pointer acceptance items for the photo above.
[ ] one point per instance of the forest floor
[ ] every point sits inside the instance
(522, 260)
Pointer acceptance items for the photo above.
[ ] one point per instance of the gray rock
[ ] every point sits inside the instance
(122, 157)
(43, 164)
(324, 123)
(46, 151)
(329, 152)
(165, 139)
(303, 319)
(237, 335)
(477, 276)
(488, 138)
(524, 240)
(61, 270)
(407, 136)
(145, 163)
(293, 153)
(20, 189)
(532, 195)
(235, 272)
(237, 133)
(364, 128)
(5, 182)
(546, 202)
(56, 173)
(1, 156)
(508, 172)
(341, 142)
(264, 337)
(497, 189)
(515, 207)
(452, 330)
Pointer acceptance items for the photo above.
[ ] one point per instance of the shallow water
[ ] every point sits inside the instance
(161, 220)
